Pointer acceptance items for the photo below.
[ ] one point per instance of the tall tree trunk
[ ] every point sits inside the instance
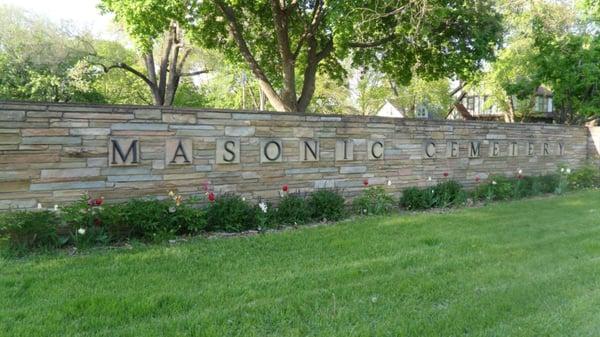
(509, 116)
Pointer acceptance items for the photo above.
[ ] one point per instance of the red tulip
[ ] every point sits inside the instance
(366, 182)
(285, 188)
(477, 179)
(99, 201)
(445, 174)
(211, 197)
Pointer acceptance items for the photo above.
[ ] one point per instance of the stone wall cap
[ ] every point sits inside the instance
(121, 108)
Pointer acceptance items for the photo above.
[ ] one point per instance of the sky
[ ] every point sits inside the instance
(81, 13)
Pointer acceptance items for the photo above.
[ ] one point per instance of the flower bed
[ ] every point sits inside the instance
(92, 222)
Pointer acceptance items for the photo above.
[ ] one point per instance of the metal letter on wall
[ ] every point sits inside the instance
(375, 149)
(228, 151)
(429, 149)
(271, 151)
(494, 149)
(123, 151)
(474, 149)
(344, 150)
(453, 149)
(309, 150)
(179, 152)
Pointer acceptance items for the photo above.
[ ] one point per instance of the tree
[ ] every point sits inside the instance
(41, 61)
(286, 43)
(156, 28)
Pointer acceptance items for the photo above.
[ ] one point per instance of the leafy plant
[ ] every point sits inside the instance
(373, 201)
(448, 193)
(293, 210)
(326, 205)
(231, 213)
(25, 230)
(584, 177)
(414, 198)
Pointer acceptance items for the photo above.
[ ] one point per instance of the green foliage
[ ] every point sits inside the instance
(231, 213)
(414, 198)
(26, 230)
(584, 177)
(326, 205)
(448, 193)
(373, 201)
(293, 210)
(138, 218)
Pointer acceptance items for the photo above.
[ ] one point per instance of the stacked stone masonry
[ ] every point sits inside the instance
(52, 153)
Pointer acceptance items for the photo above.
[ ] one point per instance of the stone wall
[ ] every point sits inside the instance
(52, 153)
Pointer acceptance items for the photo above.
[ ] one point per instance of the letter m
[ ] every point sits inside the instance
(119, 157)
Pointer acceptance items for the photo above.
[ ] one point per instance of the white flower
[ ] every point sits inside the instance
(428, 178)
(39, 205)
(56, 207)
(562, 169)
(494, 182)
(172, 209)
(389, 182)
(364, 211)
(81, 231)
(171, 194)
(520, 171)
(263, 206)
(243, 198)
(568, 171)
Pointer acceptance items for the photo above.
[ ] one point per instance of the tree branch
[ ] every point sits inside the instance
(195, 73)
(375, 43)
(235, 29)
(128, 68)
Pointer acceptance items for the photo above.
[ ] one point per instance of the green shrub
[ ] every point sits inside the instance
(26, 230)
(326, 205)
(373, 201)
(448, 193)
(584, 177)
(293, 210)
(414, 198)
(546, 184)
(146, 219)
(230, 213)
(496, 188)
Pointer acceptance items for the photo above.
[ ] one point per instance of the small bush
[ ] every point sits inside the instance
(414, 198)
(230, 213)
(326, 205)
(546, 184)
(293, 210)
(496, 188)
(373, 201)
(585, 177)
(448, 193)
(26, 230)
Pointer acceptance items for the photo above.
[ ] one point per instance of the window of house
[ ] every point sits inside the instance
(421, 112)
(471, 103)
(542, 104)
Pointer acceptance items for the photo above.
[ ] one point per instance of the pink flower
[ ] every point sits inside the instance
(211, 197)
(284, 188)
(477, 179)
(446, 174)
(366, 182)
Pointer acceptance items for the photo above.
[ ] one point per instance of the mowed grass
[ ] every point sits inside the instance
(524, 268)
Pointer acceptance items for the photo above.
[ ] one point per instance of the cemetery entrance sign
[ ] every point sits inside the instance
(51, 153)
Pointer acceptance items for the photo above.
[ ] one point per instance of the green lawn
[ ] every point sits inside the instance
(524, 268)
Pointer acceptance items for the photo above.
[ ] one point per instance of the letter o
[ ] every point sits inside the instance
(266, 150)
